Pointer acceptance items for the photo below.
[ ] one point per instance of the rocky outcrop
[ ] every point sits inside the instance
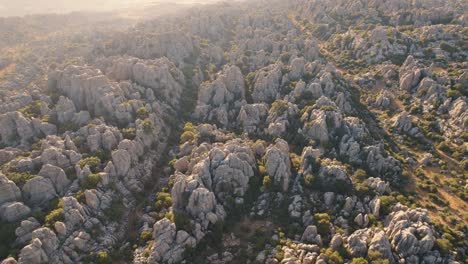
(169, 244)
(321, 122)
(280, 118)
(410, 74)
(410, 232)
(311, 236)
(252, 116)
(161, 76)
(380, 243)
(403, 123)
(278, 164)
(15, 129)
(220, 100)
(267, 83)
(92, 91)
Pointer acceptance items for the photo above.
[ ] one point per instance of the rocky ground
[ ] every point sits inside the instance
(304, 131)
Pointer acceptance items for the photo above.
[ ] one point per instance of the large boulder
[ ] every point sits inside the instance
(8, 190)
(14, 211)
(38, 191)
(57, 176)
(169, 244)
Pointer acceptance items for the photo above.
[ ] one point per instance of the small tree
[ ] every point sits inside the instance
(92, 162)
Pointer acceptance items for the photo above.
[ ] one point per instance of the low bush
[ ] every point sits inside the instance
(102, 257)
(19, 178)
(386, 203)
(146, 236)
(323, 223)
(181, 220)
(187, 136)
(54, 216)
(142, 113)
(309, 180)
(443, 245)
(334, 257)
(129, 133)
(91, 181)
(116, 211)
(279, 107)
(147, 127)
(163, 200)
(359, 261)
(267, 183)
(33, 109)
(93, 162)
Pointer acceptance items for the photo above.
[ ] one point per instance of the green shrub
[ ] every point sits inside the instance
(448, 48)
(309, 180)
(163, 201)
(334, 257)
(262, 170)
(33, 109)
(129, 133)
(146, 236)
(181, 220)
(116, 211)
(267, 183)
(102, 257)
(71, 173)
(327, 108)
(360, 175)
(147, 127)
(323, 223)
(454, 94)
(91, 181)
(142, 113)
(187, 136)
(54, 216)
(443, 245)
(295, 161)
(93, 162)
(102, 155)
(386, 203)
(20, 178)
(279, 107)
(359, 261)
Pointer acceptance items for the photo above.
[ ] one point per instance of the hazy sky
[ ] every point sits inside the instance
(24, 7)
